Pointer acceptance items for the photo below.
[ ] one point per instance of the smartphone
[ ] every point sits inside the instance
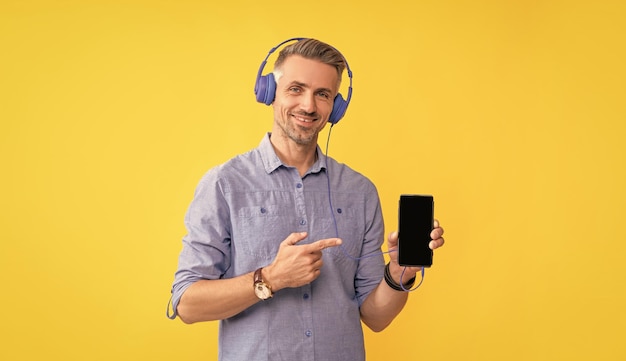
(416, 221)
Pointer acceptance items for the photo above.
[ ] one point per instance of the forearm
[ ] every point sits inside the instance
(385, 303)
(209, 300)
(382, 306)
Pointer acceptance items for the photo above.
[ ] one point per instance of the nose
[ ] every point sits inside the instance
(307, 103)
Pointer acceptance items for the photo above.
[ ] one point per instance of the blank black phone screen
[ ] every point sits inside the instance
(415, 220)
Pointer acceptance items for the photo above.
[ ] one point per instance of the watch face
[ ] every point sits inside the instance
(262, 291)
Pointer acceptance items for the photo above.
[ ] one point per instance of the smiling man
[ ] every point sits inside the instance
(283, 243)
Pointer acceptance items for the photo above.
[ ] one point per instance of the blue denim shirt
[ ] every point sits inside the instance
(243, 210)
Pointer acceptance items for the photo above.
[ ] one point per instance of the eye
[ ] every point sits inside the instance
(324, 94)
(295, 89)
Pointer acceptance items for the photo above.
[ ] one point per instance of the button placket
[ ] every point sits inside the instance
(300, 204)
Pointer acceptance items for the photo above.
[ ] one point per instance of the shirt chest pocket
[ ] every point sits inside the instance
(261, 229)
(344, 224)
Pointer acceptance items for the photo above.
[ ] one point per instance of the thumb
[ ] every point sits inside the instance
(392, 239)
(294, 238)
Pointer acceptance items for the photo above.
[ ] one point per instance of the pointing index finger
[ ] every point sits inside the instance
(322, 244)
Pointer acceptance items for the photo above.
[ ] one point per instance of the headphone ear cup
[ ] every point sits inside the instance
(339, 109)
(265, 89)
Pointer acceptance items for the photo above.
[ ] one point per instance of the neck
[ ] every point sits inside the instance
(299, 156)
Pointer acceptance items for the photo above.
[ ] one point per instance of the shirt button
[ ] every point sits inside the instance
(299, 185)
(263, 210)
(302, 222)
(339, 210)
(305, 296)
(308, 333)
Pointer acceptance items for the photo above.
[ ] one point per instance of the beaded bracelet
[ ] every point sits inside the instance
(394, 285)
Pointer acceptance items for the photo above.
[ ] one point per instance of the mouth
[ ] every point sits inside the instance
(304, 118)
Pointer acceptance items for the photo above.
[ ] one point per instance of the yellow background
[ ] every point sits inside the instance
(511, 113)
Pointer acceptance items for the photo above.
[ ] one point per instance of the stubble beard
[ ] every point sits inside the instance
(299, 135)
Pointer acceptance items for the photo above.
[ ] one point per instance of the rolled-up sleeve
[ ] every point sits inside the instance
(206, 246)
(371, 263)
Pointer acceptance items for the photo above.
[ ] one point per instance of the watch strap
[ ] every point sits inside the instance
(258, 276)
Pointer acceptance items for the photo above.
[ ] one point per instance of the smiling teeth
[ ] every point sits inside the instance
(304, 120)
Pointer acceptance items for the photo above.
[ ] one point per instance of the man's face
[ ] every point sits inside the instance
(304, 98)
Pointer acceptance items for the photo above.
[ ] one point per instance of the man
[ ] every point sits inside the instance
(289, 277)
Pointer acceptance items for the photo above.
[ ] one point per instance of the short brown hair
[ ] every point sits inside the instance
(315, 50)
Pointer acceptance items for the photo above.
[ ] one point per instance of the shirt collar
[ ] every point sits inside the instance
(271, 162)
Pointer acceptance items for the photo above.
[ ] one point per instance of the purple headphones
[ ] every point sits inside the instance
(265, 88)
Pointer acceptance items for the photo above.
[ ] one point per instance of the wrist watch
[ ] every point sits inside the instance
(261, 289)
